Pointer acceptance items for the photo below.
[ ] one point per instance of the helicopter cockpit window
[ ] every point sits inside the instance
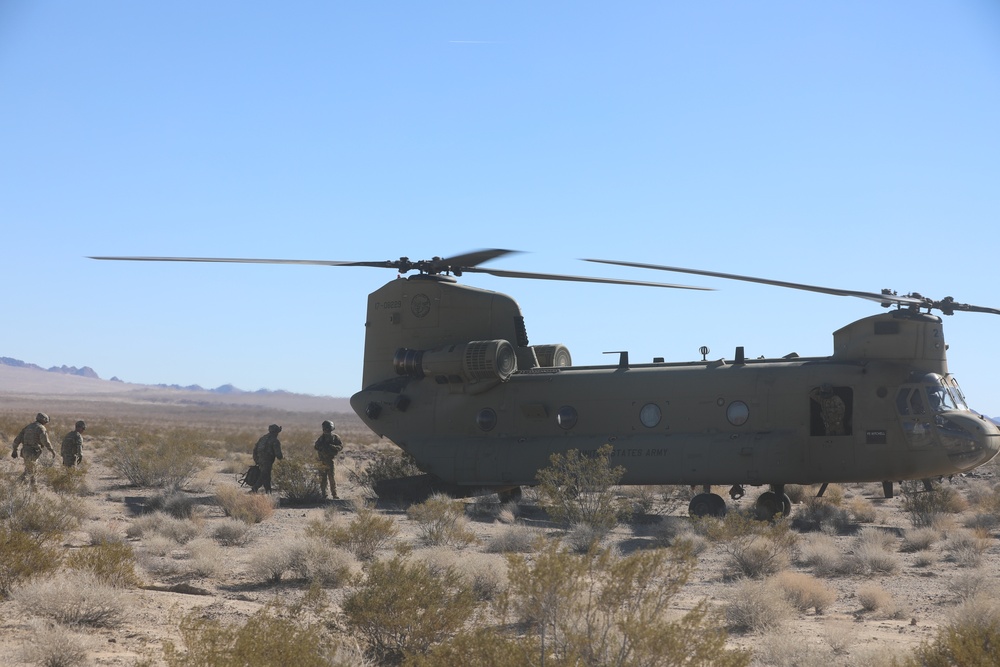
(830, 410)
(940, 399)
(566, 417)
(956, 391)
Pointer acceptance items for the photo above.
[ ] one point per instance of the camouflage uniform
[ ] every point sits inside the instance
(328, 446)
(267, 449)
(32, 438)
(832, 410)
(72, 446)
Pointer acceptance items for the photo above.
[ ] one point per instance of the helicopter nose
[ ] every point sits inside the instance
(969, 439)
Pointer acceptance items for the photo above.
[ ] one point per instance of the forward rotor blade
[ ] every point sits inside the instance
(871, 296)
(579, 279)
(236, 260)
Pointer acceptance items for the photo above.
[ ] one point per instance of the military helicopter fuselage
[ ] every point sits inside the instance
(450, 378)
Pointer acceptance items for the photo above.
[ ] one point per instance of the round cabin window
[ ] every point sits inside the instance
(650, 415)
(737, 413)
(566, 417)
(486, 419)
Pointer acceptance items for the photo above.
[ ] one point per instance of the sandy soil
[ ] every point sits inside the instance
(924, 587)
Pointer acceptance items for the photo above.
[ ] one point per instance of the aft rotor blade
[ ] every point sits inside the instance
(579, 279)
(871, 296)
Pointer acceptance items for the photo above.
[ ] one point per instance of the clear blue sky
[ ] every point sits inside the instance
(849, 144)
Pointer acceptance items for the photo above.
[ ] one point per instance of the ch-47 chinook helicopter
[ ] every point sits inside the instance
(450, 378)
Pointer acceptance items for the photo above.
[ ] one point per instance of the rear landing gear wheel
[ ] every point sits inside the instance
(707, 504)
(770, 503)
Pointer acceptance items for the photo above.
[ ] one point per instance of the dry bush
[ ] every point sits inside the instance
(245, 507)
(591, 609)
(273, 637)
(804, 592)
(579, 488)
(231, 532)
(919, 539)
(51, 645)
(298, 480)
(969, 584)
(754, 606)
(966, 548)
(107, 533)
(513, 539)
(873, 552)
(925, 506)
(403, 607)
(484, 505)
(797, 493)
(363, 536)
(204, 558)
(875, 599)
(80, 598)
(181, 531)
(24, 555)
(862, 510)
(781, 650)
(113, 563)
(173, 503)
(32, 526)
(822, 514)
(834, 494)
(269, 563)
(754, 548)
(485, 575)
(167, 459)
(327, 566)
(971, 637)
(66, 481)
(820, 552)
(384, 466)
(441, 521)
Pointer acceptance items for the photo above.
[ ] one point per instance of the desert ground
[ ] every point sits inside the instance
(880, 607)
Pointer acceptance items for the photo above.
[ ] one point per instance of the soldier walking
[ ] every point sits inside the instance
(32, 438)
(328, 446)
(72, 446)
(267, 449)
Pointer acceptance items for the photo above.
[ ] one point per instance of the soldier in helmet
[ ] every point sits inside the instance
(328, 446)
(72, 446)
(32, 438)
(267, 449)
(832, 410)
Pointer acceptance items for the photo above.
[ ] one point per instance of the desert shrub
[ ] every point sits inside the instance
(327, 566)
(73, 598)
(113, 563)
(272, 637)
(820, 552)
(804, 592)
(181, 531)
(485, 505)
(874, 598)
(231, 532)
(392, 465)
(971, 583)
(204, 557)
(579, 488)
(861, 510)
(583, 537)
(919, 539)
(146, 460)
(754, 548)
(245, 507)
(594, 608)
(966, 548)
(297, 480)
(823, 515)
(39, 513)
(363, 536)
(66, 481)
(104, 534)
(485, 575)
(271, 562)
(173, 503)
(513, 539)
(753, 606)
(796, 493)
(926, 506)
(51, 645)
(971, 637)
(25, 555)
(403, 606)
(781, 650)
(441, 521)
(873, 552)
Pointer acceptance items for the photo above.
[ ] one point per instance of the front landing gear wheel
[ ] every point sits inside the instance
(707, 504)
(770, 503)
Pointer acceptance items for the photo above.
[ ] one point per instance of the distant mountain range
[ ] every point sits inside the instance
(89, 372)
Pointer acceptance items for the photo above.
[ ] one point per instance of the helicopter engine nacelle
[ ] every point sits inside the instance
(552, 355)
(476, 361)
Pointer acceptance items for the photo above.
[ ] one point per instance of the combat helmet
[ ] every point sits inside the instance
(274, 428)
(81, 424)
(328, 425)
(42, 418)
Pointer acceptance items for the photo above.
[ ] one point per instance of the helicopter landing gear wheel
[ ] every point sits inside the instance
(770, 503)
(707, 504)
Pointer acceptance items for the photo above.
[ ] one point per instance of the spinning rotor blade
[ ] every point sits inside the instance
(886, 298)
(459, 264)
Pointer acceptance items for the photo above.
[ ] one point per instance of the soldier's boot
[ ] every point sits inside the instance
(333, 491)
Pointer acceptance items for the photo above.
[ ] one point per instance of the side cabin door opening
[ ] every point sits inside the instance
(831, 430)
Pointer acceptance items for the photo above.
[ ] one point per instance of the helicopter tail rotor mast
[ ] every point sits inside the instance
(886, 297)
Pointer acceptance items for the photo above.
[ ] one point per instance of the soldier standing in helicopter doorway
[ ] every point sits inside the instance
(267, 449)
(328, 446)
(32, 438)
